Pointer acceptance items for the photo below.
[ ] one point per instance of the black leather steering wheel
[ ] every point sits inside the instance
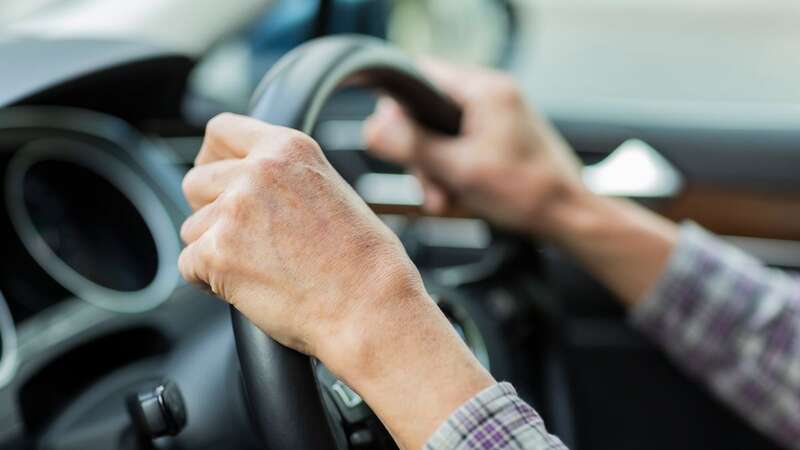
(280, 383)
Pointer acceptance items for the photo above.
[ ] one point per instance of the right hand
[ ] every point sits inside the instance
(282, 237)
(509, 165)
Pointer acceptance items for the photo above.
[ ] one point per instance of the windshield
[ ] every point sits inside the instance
(571, 56)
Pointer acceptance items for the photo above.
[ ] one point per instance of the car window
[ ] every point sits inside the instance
(582, 51)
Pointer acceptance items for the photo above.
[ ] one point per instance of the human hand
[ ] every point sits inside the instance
(508, 164)
(282, 237)
(513, 168)
(278, 234)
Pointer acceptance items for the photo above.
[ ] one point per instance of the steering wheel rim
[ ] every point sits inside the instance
(283, 392)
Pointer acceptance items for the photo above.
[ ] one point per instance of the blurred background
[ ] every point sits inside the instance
(575, 51)
(691, 107)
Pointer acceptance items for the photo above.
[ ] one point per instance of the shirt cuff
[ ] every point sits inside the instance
(495, 418)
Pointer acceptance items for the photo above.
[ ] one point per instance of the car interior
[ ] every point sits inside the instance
(690, 110)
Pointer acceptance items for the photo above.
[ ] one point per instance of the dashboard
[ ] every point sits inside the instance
(83, 217)
(89, 228)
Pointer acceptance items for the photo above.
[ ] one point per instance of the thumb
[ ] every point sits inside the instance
(444, 161)
(393, 136)
(390, 134)
(436, 200)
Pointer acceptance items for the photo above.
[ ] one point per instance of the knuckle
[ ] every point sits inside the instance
(237, 205)
(208, 255)
(183, 263)
(188, 183)
(185, 231)
(190, 264)
(218, 256)
(504, 89)
(219, 123)
(298, 145)
(268, 169)
(225, 236)
(473, 177)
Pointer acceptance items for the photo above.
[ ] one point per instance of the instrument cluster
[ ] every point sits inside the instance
(83, 217)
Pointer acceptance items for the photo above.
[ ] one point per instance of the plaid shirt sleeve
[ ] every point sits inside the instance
(495, 418)
(732, 323)
(721, 314)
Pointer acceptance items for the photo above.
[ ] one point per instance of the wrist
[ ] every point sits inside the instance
(356, 348)
(401, 352)
(401, 334)
(622, 244)
(569, 209)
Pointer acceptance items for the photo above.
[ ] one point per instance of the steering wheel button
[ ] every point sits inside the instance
(346, 396)
(361, 438)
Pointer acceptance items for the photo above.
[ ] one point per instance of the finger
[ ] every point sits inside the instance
(389, 134)
(198, 223)
(456, 81)
(394, 136)
(444, 161)
(231, 136)
(435, 198)
(203, 184)
(191, 264)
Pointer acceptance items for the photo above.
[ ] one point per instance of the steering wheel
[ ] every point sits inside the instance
(285, 398)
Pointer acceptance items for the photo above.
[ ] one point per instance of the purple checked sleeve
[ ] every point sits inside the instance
(727, 319)
(732, 323)
(496, 418)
